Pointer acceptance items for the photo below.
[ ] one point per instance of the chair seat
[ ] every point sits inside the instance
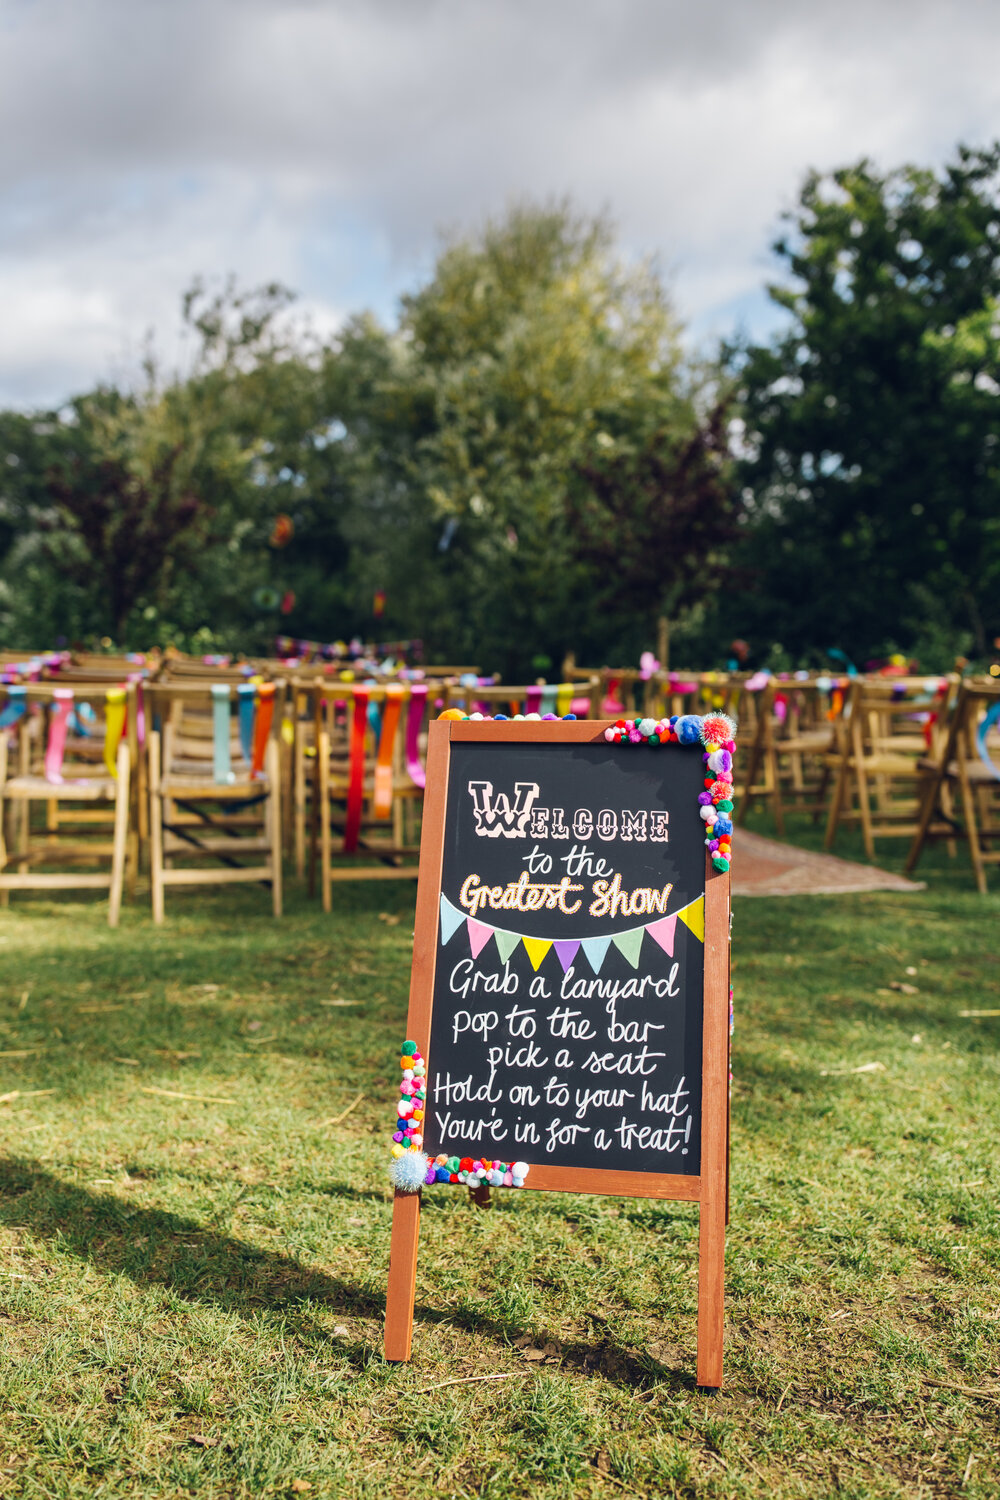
(86, 789)
(202, 785)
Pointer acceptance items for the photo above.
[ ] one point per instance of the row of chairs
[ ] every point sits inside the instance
(911, 758)
(196, 764)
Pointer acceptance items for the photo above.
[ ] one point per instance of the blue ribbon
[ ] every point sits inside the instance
(222, 770)
(15, 705)
(247, 695)
(992, 718)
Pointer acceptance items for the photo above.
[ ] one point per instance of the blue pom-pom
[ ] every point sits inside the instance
(501, 716)
(688, 729)
(409, 1171)
(569, 716)
(443, 1175)
(722, 825)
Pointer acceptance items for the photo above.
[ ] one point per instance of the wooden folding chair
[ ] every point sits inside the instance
(368, 782)
(881, 764)
(61, 798)
(214, 786)
(791, 750)
(969, 763)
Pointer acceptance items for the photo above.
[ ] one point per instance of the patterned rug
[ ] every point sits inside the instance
(764, 867)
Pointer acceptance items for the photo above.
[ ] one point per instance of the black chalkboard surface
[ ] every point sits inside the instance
(567, 1009)
(570, 983)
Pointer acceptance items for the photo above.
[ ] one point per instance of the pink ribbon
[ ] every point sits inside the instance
(415, 717)
(54, 750)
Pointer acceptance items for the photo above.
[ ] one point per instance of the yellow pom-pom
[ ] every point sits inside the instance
(452, 713)
(397, 1149)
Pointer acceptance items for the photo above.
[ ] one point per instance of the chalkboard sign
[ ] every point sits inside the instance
(570, 979)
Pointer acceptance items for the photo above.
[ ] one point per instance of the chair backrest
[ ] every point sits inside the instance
(219, 728)
(70, 728)
(899, 717)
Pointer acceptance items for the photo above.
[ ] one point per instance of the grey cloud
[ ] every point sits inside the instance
(142, 141)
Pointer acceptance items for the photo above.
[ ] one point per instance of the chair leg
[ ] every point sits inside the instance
(155, 828)
(273, 766)
(836, 803)
(121, 838)
(864, 810)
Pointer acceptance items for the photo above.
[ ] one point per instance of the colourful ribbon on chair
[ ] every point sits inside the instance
(262, 726)
(547, 703)
(62, 707)
(222, 765)
(414, 719)
(992, 718)
(246, 697)
(356, 773)
(17, 702)
(564, 699)
(532, 699)
(386, 745)
(140, 708)
(114, 726)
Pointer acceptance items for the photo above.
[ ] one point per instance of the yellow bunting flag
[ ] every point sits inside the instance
(693, 917)
(536, 949)
(114, 723)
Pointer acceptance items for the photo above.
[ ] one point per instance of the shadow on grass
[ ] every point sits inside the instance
(153, 1246)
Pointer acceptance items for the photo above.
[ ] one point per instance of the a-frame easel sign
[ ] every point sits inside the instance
(568, 1025)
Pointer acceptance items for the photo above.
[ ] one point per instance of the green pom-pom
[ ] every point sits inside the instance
(719, 863)
(726, 806)
(453, 1163)
(407, 1049)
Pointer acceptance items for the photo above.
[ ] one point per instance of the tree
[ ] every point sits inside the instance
(872, 420)
(531, 356)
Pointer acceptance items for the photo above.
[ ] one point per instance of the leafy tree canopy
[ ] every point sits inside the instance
(871, 422)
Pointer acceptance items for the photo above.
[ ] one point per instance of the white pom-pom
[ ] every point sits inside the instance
(519, 1168)
(409, 1171)
(646, 726)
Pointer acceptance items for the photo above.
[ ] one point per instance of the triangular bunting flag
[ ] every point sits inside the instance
(566, 949)
(536, 949)
(693, 917)
(595, 949)
(479, 936)
(629, 943)
(506, 943)
(451, 920)
(662, 932)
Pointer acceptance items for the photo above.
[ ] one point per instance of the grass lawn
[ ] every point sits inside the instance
(191, 1290)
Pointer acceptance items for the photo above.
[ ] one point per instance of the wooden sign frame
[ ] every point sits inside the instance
(709, 1189)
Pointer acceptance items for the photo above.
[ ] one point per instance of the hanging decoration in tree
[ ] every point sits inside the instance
(282, 531)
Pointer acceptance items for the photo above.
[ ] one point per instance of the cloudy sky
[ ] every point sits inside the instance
(323, 143)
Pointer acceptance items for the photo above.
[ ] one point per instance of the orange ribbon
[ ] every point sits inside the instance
(387, 740)
(262, 726)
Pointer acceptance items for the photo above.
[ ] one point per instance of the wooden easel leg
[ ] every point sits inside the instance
(711, 1284)
(402, 1276)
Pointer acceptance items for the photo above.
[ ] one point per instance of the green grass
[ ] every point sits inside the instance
(191, 1293)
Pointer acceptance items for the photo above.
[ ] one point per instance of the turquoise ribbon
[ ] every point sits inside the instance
(222, 769)
(15, 705)
(992, 717)
(247, 695)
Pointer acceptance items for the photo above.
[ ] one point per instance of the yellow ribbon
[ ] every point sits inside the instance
(114, 725)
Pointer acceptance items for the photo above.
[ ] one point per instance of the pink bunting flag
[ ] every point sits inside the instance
(479, 936)
(566, 951)
(662, 932)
